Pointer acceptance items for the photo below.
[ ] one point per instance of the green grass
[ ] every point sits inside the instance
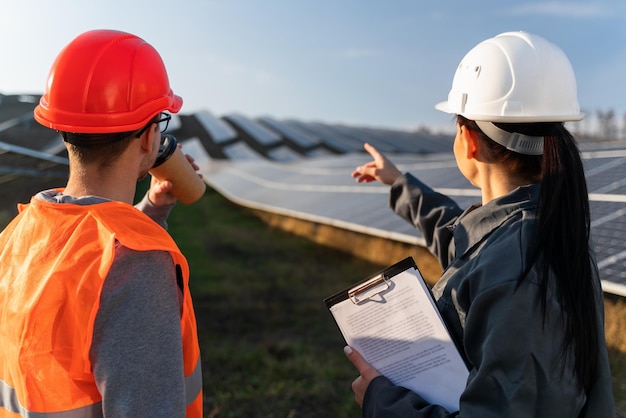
(270, 348)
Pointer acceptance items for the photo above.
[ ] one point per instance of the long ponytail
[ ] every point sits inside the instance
(564, 238)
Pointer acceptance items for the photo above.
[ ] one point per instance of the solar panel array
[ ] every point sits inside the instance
(302, 169)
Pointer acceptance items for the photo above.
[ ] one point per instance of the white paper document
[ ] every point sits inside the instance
(393, 321)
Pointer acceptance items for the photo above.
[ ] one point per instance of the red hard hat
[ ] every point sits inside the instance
(105, 81)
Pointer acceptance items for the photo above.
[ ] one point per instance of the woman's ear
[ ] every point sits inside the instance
(470, 140)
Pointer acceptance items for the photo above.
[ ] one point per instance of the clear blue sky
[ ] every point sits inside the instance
(382, 63)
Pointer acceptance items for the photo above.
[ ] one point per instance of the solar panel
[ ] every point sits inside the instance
(217, 129)
(257, 132)
(300, 138)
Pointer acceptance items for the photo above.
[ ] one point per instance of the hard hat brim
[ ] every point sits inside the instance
(446, 108)
(96, 123)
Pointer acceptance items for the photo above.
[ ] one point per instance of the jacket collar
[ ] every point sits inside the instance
(478, 221)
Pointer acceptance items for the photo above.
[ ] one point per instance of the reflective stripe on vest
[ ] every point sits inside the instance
(193, 384)
(88, 234)
(9, 401)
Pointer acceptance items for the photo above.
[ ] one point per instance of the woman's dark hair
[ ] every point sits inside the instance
(563, 242)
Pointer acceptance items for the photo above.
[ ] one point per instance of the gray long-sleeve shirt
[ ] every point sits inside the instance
(516, 368)
(136, 350)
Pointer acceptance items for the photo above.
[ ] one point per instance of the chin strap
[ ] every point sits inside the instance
(524, 144)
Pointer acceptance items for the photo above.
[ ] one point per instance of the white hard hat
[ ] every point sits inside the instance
(515, 77)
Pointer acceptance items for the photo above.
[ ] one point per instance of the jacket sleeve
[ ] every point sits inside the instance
(137, 344)
(385, 400)
(432, 213)
(158, 214)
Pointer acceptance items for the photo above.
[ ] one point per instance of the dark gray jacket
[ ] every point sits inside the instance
(516, 367)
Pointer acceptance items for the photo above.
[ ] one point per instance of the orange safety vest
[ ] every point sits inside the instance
(54, 259)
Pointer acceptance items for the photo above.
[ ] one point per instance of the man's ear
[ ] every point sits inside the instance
(470, 142)
(147, 139)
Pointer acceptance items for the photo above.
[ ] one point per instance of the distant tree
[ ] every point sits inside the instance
(423, 129)
(579, 128)
(607, 124)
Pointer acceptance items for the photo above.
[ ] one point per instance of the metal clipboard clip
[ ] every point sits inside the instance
(367, 290)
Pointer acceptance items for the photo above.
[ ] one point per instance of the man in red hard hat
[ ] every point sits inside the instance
(96, 318)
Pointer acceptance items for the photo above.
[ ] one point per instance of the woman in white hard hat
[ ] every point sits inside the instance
(520, 291)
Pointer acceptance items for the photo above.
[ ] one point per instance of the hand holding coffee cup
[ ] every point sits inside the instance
(174, 166)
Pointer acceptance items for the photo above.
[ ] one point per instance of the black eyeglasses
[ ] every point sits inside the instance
(163, 121)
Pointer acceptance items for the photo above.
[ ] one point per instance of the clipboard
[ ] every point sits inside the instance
(391, 318)
(367, 287)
